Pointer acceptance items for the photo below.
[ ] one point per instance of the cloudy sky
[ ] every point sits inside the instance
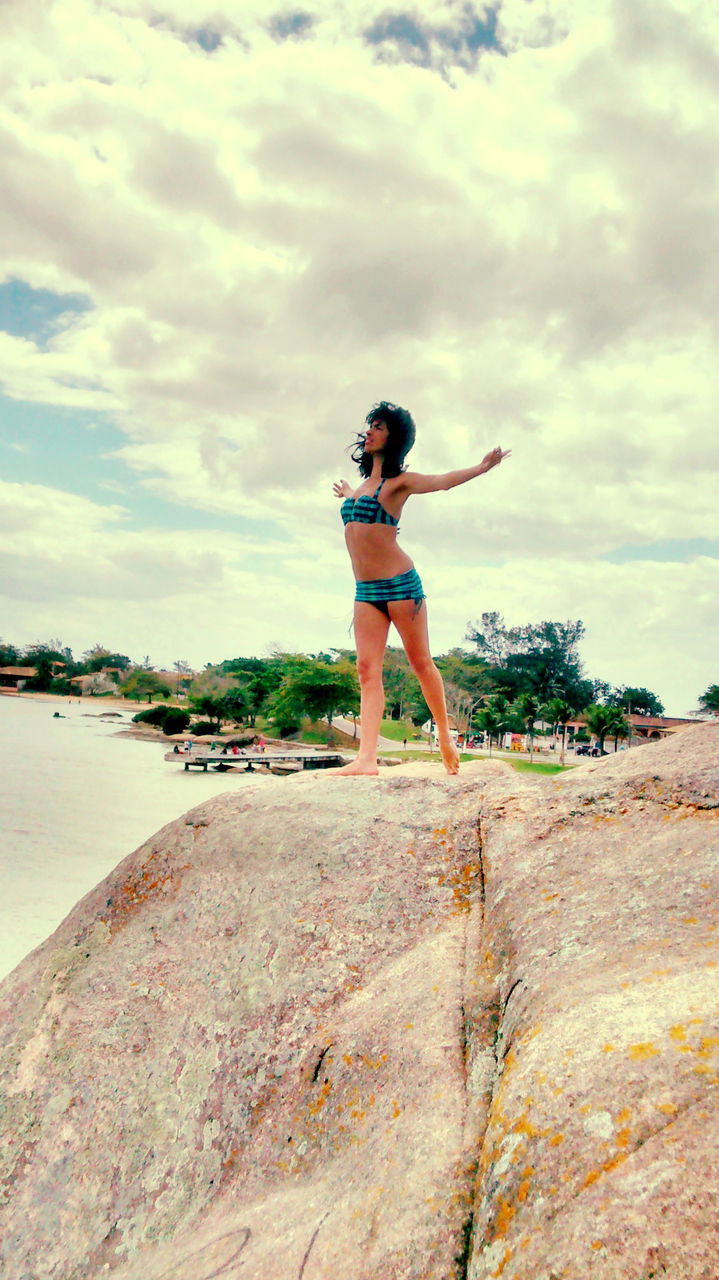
(227, 228)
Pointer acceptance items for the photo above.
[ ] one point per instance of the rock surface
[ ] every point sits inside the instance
(399, 1028)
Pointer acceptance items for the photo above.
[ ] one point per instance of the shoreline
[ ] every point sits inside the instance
(64, 699)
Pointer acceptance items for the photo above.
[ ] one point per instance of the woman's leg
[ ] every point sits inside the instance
(411, 623)
(371, 627)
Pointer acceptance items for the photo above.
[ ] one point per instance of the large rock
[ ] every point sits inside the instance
(408, 1027)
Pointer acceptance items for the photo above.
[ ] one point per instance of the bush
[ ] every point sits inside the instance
(203, 728)
(176, 721)
(154, 715)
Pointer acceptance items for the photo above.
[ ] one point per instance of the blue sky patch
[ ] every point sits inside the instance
(69, 450)
(36, 313)
(288, 26)
(208, 39)
(665, 550)
(412, 41)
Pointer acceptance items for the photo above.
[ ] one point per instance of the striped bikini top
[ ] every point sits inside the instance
(367, 509)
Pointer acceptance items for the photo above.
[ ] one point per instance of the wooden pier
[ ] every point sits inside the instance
(255, 761)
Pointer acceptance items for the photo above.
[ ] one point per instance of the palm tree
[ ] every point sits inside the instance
(559, 712)
(499, 705)
(489, 722)
(527, 706)
(619, 727)
(603, 720)
(183, 670)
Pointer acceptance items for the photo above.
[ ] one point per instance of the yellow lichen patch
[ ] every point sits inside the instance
(134, 893)
(690, 920)
(668, 1108)
(523, 1125)
(622, 1138)
(608, 1047)
(644, 1049)
(624, 1116)
(679, 1032)
(504, 1217)
(606, 1167)
(503, 1263)
(597, 1244)
(396, 1110)
(523, 1189)
(315, 1107)
(556, 1140)
(707, 1043)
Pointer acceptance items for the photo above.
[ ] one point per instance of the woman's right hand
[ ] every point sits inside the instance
(341, 489)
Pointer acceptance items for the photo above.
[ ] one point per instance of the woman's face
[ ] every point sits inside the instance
(376, 437)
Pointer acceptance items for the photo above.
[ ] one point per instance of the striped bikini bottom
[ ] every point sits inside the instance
(406, 586)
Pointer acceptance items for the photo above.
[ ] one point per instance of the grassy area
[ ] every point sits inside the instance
(524, 766)
(398, 730)
(318, 735)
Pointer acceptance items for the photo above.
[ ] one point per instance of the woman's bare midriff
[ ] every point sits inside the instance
(375, 552)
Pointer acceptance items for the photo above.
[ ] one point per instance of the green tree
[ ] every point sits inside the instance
(54, 650)
(401, 685)
(98, 657)
(43, 677)
(620, 726)
(639, 701)
(184, 675)
(490, 723)
(141, 683)
(257, 677)
(603, 720)
(527, 706)
(321, 690)
(539, 658)
(709, 701)
(559, 712)
(212, 706)
(9, 655)
(236, 705)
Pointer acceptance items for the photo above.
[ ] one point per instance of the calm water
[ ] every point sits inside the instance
(74, 801)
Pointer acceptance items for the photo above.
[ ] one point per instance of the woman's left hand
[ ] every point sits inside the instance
(494, 457)
(341, 489)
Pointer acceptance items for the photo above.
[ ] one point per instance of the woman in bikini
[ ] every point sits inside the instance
(388, 585)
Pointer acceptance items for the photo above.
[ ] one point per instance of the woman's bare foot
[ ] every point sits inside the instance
(450, 756)
(358, 768)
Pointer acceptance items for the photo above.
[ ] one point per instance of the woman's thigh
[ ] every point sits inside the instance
(371, 628)
(411, 623)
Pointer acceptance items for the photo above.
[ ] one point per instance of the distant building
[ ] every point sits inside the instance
(657, 726)
(15, 677)
(644, 728)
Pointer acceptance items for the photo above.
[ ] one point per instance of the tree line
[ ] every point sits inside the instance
(509, 679)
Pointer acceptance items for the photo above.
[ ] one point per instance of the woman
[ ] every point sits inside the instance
(388, 585)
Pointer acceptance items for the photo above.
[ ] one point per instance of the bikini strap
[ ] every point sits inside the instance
(379, 486)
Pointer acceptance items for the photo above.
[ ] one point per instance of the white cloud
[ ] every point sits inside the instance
(275, 234)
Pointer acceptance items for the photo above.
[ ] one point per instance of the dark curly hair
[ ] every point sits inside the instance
(400, 439)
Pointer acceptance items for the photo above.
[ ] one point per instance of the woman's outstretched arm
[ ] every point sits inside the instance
(413, 482)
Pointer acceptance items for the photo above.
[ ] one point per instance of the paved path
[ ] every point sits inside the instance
(384, 744)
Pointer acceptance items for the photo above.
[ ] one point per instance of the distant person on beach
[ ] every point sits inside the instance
(388, 585)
